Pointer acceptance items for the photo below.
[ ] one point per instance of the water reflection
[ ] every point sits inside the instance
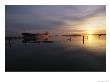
(57, 53)
(83, 39)
(89, 41)
(95, 42)
(36, 41)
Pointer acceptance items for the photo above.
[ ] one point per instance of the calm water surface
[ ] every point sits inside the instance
(64, 54)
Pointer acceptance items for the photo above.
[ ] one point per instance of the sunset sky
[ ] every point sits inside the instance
(68, 19)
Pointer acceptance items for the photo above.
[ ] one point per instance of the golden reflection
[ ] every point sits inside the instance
(90, 38)
(90, 41)
(95, 42)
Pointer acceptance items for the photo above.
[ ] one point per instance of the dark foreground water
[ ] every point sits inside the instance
(63, 54)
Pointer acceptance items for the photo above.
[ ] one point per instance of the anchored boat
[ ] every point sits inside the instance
(36, 38)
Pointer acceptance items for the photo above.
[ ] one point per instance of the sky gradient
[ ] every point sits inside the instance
(68, 19)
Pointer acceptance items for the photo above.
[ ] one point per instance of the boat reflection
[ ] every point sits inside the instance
(36, 41)
(36, 38)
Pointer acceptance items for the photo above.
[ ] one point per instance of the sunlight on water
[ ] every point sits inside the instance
(93, 43)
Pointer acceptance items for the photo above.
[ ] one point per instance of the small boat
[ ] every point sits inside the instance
(37, 36)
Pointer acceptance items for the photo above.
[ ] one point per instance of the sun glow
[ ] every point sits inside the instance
(89, 32)
(93, 25)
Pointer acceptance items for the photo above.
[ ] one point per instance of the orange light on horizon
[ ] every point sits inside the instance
(93, 25)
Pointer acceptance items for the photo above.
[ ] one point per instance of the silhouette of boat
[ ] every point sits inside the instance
(39, 36)
(36, 38)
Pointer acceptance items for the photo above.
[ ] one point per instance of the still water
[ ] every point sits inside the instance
(76, 53)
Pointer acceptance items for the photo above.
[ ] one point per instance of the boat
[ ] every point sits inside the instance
(37, 36)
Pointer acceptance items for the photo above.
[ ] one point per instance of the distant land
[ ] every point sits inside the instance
(20, 37)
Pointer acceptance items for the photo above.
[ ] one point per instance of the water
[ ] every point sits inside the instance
(64, 54)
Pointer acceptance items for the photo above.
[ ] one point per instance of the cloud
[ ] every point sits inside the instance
(45, 17)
